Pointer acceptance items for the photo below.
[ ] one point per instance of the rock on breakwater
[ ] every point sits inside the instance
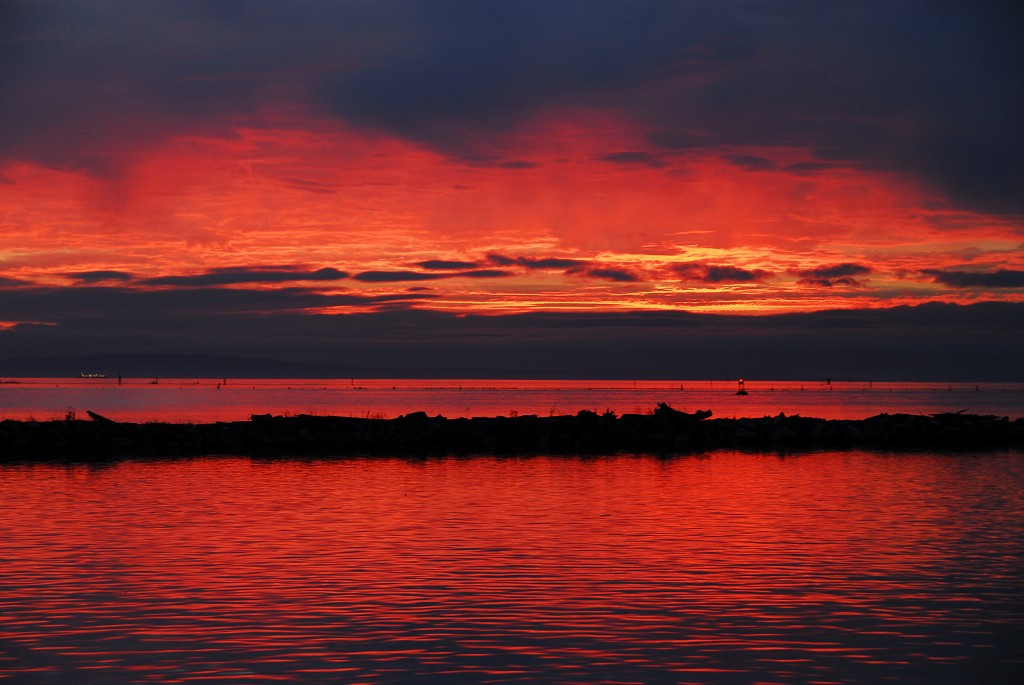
(665, 430)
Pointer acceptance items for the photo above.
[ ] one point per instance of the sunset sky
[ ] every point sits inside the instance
(304, 179)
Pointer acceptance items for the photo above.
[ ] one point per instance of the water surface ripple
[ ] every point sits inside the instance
(732, 568)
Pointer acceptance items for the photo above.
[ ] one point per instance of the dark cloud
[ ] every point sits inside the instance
(97, 276)
(846, 281)
(518, 164)
(732, 274)
(395, 276)
(837, 274)
(502, 260)
(810, 167)
(837, 270)
(675, 140)
(929, 89)
(315, 187)
(149, 308)
(717, 273)
(1003, 278)
(231, 275)
(11, 282)
(609, 274)
(459, 68)
(535, 263)
(751, 162)
(483, 273)
(927, 342)
(446, 264)
(633, 157)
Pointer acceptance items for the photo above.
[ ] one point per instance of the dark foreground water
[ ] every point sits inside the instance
(731, 568)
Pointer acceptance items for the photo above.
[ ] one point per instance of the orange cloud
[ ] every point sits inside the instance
(566, 188)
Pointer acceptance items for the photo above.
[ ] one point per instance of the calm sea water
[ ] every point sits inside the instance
(197, 400)
(732, 568)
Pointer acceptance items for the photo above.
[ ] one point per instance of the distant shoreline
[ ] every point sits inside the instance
(663, 431)
(100, 378)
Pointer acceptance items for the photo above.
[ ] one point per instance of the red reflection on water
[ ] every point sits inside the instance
(847, 565)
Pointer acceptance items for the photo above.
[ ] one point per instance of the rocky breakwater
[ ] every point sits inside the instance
(663, 431)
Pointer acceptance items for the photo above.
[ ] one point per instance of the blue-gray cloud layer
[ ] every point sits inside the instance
(232, 275)
(927, 88)
(1002, 278)
(929, 342)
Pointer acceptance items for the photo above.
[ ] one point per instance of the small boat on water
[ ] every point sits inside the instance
(92, 375)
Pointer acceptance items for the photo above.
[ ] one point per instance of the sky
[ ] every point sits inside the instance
(426, 184)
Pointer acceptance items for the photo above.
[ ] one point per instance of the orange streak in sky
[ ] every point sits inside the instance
(314, 195)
